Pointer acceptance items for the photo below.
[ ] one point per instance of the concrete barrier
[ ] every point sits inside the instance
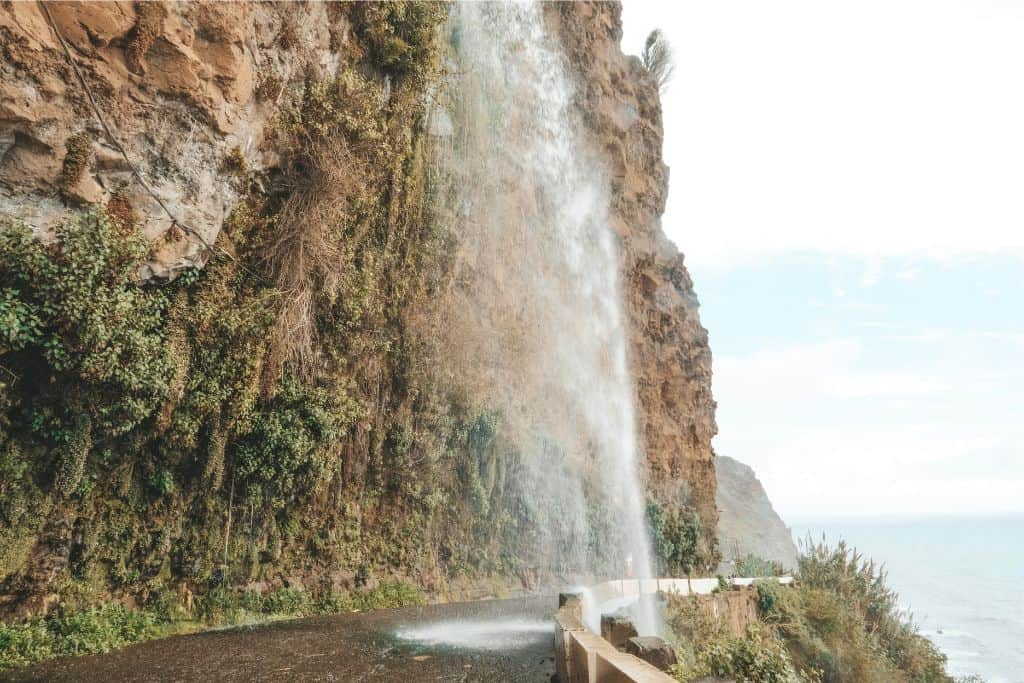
(567, 622)
(626, 588)
(585, 657)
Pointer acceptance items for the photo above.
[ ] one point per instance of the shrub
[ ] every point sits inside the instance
(19, 325)
(706, 648)
(148, 27)
(63, 633)
(838, 622)
(674, 534)
(24, 644)
(843, 621)
(285, 451)
(758, 658)
(292, 601)
(77, 159)
(91, 323)
(400, 35)
(754, 566)
(387, 595)
(162, 482)
(767, 595)
(234, 163)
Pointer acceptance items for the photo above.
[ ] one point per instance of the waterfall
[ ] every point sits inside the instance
(548, 325)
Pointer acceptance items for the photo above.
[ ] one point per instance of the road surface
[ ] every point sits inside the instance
(491, 640)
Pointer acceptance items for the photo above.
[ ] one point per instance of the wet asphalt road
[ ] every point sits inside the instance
(347, 647)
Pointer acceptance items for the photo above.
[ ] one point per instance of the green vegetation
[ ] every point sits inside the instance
(68, 632)
(706, 648)
(277, 412)
(400, 34)
(844, 622)
(63, 633)
(752, 565)
(271, 412)
(76, 160)
(675, 536)
(838, 622)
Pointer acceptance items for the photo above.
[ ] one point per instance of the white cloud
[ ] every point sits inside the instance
(830, 438)
(872, 273)
(823, 370)
(873, 128)
(878, 129)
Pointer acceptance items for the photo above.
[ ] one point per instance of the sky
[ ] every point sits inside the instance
(847, 185)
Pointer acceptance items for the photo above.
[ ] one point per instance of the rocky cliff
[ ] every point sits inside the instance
(748, 524)
(149, 105)
(670, 356)
(225, 264)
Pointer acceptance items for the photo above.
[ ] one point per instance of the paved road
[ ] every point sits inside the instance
(491, 640)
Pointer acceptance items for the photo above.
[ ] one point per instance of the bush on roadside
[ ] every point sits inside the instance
(754, 566)
(64, 633)
(68, 632)
(837, 623)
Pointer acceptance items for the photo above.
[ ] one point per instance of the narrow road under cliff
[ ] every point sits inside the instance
(491, 640)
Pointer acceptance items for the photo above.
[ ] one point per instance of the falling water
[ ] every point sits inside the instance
(533, 204)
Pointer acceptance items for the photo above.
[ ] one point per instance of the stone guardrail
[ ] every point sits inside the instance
(582, 656)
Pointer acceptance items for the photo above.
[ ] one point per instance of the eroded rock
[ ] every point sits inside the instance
(175, 82)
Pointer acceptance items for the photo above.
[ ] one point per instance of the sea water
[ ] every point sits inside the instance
(962, 579)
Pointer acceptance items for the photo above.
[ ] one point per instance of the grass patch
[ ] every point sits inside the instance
(67, 633)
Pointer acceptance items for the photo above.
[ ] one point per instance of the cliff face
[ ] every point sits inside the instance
(748, 524)
(669, 351)
(186, 89)
(227, 361)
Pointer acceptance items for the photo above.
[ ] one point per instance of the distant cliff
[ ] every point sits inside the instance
(747, 522)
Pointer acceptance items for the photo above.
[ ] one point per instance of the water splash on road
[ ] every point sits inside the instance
(479, 634)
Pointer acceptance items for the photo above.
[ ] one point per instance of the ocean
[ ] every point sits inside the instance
(962, 579)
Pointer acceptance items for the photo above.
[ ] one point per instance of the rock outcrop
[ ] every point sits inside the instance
(747, 523)
(669, 352)
(154, 106)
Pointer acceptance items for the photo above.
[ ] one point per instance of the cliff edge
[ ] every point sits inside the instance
(747, 522)
(669, 352)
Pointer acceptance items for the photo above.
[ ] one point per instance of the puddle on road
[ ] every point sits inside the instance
(479, 634)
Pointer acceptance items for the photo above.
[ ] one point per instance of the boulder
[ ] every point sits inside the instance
(617, 629)
(653, 650)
